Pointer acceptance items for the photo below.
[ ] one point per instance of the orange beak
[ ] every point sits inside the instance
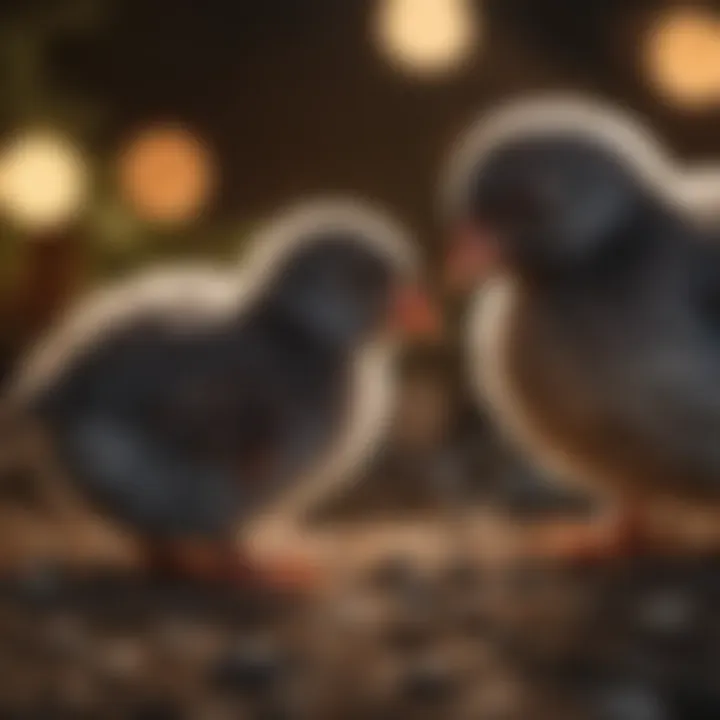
(413, 315)
(473, 256)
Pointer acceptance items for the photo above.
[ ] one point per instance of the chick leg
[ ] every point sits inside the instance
(224, 563)
(621, 532)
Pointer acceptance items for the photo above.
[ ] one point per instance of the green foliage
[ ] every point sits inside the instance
(114, 241)
(118, 243)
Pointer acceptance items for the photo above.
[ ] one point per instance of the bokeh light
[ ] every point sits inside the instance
(422, 565)
(167, 174)
(683, 57)
(43, 180)
(427, 36)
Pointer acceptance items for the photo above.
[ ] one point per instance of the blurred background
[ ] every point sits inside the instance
(136, 132)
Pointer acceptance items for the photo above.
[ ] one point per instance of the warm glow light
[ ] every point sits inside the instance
(683, 57)
(43, 180)
(167, 174)
(427, 36)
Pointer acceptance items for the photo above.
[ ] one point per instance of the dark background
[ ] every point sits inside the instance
(295, 98)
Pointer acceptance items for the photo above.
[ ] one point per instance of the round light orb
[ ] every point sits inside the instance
(167, 174)
(43, 180)
(683, 57)
(427, 37)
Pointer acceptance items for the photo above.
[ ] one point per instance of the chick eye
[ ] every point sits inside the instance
(365, 279)
(532, 203)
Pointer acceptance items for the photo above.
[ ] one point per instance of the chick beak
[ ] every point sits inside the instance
(413, 315)
(473, 256)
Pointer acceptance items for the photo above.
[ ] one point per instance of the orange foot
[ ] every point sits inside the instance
(290, 574)
(216, 563)
(564, 542)
(624, 535)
